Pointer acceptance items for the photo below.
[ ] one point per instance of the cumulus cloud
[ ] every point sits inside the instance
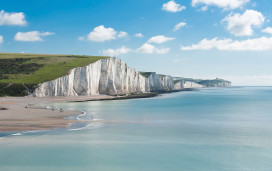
(268, 30)
(139, 35)
(172, 6)
(258, 44)
(241, 24)
(159, 39)
(31, 36)
(225, 4)
(1, 39)
(179, 25)
(14, 18)
(116, 52)
(150, 49)
(101, 34)
(122, 34)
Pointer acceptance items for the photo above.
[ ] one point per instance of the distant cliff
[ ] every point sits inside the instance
(110, 76)
(181, 84)
(198, 83)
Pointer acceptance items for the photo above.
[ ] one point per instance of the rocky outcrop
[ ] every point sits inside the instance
(109, 76)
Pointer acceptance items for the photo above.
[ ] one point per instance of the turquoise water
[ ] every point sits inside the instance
(211, 129)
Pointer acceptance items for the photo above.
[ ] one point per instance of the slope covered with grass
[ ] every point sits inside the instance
(22, 71)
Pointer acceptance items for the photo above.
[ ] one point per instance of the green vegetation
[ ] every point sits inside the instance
(146, 74)
(25, 71)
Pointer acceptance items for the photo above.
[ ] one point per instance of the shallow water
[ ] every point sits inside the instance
(211, 129)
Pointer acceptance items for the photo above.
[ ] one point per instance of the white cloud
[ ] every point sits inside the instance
(122, 34)
(150, 49)
(172, 6)
(241, 25)
(226, 4)
(267, 30)
(12, 18)
(31, 36)
(179, 25)
(116, 52)
(101, 34)
(1, 39)
(160, 39)
(139, 35)
(258, 44)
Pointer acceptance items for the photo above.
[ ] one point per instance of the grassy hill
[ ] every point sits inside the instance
(19, 71)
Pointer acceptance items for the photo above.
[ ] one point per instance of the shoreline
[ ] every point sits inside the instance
(31, 113)
(136, 96)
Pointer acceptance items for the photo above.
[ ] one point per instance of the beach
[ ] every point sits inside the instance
(32, 113)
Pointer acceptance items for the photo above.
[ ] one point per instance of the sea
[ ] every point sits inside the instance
(211, 129)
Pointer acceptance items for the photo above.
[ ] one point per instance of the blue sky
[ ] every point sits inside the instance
(230, 39)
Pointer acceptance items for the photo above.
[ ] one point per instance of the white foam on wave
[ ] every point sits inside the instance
(89, 126)
(98, 119)
(16, 134)
(83, 114)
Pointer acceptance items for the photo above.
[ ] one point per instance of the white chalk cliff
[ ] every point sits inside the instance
(186, 84)
(109, 76)
(112, 76)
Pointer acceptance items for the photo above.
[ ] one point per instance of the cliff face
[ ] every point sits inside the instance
(189, 84)
(186, 84)
(223, 84)
(158, 82)
(112, 76)
(109, 76)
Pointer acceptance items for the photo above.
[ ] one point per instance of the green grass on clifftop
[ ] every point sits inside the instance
(38, 68)
(145, 74)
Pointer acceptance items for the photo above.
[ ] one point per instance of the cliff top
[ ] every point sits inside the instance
(38, 68)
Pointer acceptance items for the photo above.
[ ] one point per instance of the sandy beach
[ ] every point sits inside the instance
(30, 113)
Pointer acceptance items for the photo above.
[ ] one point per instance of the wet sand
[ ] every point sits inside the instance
(30, 113)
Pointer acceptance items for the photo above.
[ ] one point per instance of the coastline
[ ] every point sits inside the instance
(30, 113)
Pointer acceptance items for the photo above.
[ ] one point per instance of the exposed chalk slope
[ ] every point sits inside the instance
(109, 76)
